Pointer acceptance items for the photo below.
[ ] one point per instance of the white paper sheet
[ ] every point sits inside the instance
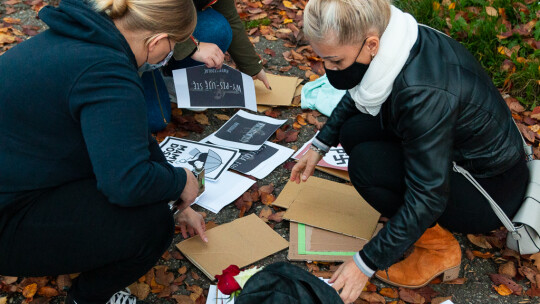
(219, 194)
(262, 162)
(185, 153)
(202, 87)
(245, 131)
(216, 297)
(336, 158)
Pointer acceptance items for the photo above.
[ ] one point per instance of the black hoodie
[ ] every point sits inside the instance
(72, 107)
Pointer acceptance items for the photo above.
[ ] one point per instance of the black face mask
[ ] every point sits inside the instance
(349, 77)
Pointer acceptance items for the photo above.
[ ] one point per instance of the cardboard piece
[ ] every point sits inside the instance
(328, 205)
(335, 172)
(282, 93)
(309, 243)
(240, 242)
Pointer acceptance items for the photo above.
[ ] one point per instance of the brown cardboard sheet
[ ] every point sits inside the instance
(240, 242)
(282, 93)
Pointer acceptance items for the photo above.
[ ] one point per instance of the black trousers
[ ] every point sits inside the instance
(376, 168)
(74, 228)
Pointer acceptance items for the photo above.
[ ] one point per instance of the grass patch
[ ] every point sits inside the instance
(255, 23)
(501, 34)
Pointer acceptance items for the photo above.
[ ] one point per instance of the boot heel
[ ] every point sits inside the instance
(451, 274)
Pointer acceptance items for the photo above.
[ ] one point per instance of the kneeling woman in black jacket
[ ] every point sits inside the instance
(416, 102)
(84, 187)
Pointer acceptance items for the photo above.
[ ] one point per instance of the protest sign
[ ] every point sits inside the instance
(245, 131)
(262, 162)
(202, 87)
(186, 153)
(336, 158)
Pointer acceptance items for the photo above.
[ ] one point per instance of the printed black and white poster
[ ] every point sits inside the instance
(262, 162)
(186, 153)
(245, 131)
(336, 158)
(202, 87)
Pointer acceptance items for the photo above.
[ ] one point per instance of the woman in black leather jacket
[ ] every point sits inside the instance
(417, 101)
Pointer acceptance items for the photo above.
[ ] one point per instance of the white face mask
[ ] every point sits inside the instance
(152, 66)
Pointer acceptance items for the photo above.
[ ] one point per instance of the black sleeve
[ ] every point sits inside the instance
(329, 134)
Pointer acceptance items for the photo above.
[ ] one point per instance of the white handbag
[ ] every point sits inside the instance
(524, 229)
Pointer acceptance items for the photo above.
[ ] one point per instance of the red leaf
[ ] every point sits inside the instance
(499, 279)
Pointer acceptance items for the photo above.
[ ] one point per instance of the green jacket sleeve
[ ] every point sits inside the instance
(241, 50)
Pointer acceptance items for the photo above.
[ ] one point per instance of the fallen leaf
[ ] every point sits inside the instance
(508, 269)
(29, 290)
(312, 267)
(427, 292)
(372, 297)
(469, 254)
(323, 274)
(270, 52)
(534, 291)
(195, 276)
(272, 113)
(499, 279)
(12, 20)
(9, 280)
(491, 11)
(265, 213)
(296, 126)
(63, 282)
(222, 117)
(3, 300)
(180, 280)
(48, 292)
(300, 118)
(140, 290)
(163, 277)
(389, 292)
(267, 199)
(196, 291)
(277, 217)
(502, 290)
(266, 189)
(202, 119)
(289, 165)
(291, 136)
(410, 296)
(6, 39)
(479, 240)
(529, 273)
(183, 299)
(458, 281)
(536, 258)
(483, 255)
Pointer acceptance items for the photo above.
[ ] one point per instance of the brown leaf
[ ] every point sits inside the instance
(272, 113)
(265, 213)
(440, 300)
(482, 255)
(241, 204)
(410, 296)
(267, 199)
(48, 292)
(140, 290)
(291, 136)
(529, 273)
(280, 135)
(180, 280)
(458, 281)
(469, 254)
(300, 118)
(536, 258)
(183, 299)
(534, 291)
(195, 276)
(270, 52)
(277, 217)
(9, 280)
(499, 279)
(29, 290)
(479, 240)
(222, 117)
(12, 20)
(166, 255)
(196, 291)
(372, 297)
(163, 277)
(389, 292)
(6, 39)
(266, 189)
(508, 269)
(427, 292)
(202, 119)
(323, 274)
(508, 253)
(296, 126)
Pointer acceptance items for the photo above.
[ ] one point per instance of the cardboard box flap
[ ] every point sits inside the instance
(282, 93)
(240, 242)
(291, 190)
(334, 210)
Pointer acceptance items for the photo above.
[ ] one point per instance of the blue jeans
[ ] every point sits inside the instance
(211, 27)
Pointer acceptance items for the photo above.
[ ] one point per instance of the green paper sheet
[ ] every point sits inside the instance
(302, 245)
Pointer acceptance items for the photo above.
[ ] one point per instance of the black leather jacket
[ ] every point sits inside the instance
(444, 108)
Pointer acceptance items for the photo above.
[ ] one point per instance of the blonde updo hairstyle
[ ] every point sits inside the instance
(176, 18)
(345, 22)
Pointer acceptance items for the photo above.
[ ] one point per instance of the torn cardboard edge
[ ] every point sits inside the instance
(308, 243)
(241, 242)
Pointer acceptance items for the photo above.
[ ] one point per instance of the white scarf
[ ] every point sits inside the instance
(394, 48)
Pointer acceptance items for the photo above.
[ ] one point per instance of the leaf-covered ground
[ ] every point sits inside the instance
(490, 273)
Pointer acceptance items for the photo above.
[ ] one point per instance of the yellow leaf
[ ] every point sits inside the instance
(491, 11)
(12, 20)
(521, 60)
(503, 290)
(313, 77)
(436, 6)
(29, 290)
(500, 50)
(288, 4)
(3, 300)
(286, 20)
(452, 6)
(6, 39)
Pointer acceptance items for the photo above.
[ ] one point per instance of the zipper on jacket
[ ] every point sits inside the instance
(159, 100)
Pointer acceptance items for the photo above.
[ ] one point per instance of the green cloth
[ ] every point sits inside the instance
(241, 50)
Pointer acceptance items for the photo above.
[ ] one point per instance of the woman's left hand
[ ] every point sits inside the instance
(262, 77)
(192, 222)
(350, 279)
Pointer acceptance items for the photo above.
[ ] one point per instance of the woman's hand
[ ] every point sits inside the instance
(262, 77)
(209, 54)
(191, 190)
(192, 222)
(305, 166)
(350, 279)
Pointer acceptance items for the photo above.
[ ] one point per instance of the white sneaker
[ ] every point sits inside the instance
(122, 297)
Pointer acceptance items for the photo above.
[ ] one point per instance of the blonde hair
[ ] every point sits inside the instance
(350, 21)
(176, 18)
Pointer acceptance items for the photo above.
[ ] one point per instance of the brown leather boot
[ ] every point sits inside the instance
(436, 252)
